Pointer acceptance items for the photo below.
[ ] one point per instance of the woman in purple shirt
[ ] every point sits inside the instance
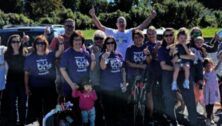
(40, 79)
(111, 77)
(75, 65)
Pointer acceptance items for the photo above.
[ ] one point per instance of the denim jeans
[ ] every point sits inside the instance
(89, 115)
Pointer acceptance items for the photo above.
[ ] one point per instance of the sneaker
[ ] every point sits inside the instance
(186, 84)
(212, 122)
(174, 86)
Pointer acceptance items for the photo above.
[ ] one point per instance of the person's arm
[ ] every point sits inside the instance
(26, 81)
(166, 67)
(211, 49)
(148, 55)
(96, 21)
(147, 21)
(214, 42)
(61, 47)
(191, 56)
(67, 78)
(219, 62)
(93, 95)
(54, 43)
(188, 51)
(76, 93)
(104, 60)
(134, 65)
(93, 61)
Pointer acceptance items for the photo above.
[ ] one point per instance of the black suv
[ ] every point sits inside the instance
(31, 31)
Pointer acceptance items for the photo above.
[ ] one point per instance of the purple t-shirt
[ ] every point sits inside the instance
(111, 77)
(163, 55)
(135, 55)
(41, 69)
(77, 65)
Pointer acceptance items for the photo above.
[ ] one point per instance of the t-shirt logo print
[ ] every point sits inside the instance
(115, 65)
(138, 57)
(43, 66)
(82, 64)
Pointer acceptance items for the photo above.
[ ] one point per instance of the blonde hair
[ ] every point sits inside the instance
(99, 33)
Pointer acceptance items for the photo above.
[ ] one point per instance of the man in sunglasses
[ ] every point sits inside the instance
(69, 26)
(122, 35)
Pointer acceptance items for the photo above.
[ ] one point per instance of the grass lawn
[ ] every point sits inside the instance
(207, 32)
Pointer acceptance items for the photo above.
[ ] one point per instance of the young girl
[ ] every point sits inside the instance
(200, 53)
(182, 49)
(87, 97)
(211, 91)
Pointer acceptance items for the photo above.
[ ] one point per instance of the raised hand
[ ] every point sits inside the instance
(92, 12)
(146, 51)
(25, 38)
(61, 43)
(153, 13)
(93, 57)
(106, 54)
(47, 31)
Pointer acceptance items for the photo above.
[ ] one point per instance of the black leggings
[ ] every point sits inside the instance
(209, 110)
(40, 102)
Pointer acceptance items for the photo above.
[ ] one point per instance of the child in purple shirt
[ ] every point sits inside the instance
(87, 98)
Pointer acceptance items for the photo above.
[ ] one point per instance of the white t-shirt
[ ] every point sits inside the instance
(123, 39)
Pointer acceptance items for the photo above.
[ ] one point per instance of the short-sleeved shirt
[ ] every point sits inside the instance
(182, 51)
(123, 39)
(41, 69)
(163, 55)
(135, 55)
(77, 65)
(55, 43)
(111, 77)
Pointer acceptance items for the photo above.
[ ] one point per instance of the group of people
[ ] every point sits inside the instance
(98, 79)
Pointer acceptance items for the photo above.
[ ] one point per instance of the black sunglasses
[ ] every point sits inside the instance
(108, 43)
(15, 42)
(168, 35)
(98, 38)
(40, 43)
(69, 26)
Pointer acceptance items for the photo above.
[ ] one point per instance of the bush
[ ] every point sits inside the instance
(109, 19)
(218, 16)
(13, 18)
(173, 13)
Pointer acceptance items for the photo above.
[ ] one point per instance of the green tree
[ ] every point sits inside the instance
(72, 4)
(42, 8)
(214, 4)
(12, 6)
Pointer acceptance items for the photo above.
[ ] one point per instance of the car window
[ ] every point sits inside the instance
(32, 32)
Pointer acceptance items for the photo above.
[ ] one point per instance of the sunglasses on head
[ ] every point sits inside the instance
(98, 38)
(15, 42)
(168, 35)
(40, 43)
(196, 34)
